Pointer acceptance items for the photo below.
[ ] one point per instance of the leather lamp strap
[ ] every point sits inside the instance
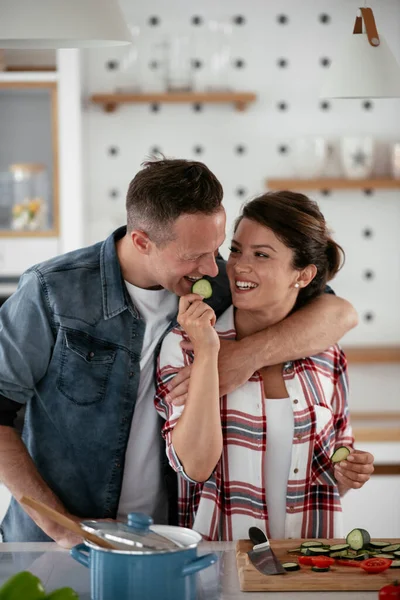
(369, 20)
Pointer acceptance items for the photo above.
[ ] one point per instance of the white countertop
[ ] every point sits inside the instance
(58, 561)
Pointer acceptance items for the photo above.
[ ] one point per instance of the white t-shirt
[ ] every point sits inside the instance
(280, 428)
(142, 487)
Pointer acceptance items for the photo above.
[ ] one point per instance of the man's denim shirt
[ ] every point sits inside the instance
(70, 346)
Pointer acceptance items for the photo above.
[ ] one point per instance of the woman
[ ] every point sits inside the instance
(261, 455)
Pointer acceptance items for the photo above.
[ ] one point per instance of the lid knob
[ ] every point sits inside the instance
(139, 521)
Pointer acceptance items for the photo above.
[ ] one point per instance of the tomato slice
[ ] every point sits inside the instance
(348, 563)
(375, 565)
(306, 560)
(322, 561)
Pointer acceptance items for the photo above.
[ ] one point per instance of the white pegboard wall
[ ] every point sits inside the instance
(281, 51)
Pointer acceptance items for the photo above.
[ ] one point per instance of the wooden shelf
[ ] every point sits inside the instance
(383, 415)
(240, 100)
(376, 434)
(44, 233)
(382, 426)
(332, 184)
(24, 78)
(372, 354)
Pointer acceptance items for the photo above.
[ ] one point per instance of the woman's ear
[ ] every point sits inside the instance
(305, 276)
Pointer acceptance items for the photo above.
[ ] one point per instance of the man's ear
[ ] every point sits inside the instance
(141, 241)
(305, 276)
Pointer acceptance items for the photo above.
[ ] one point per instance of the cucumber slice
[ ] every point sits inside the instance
(294, 550)
(391, 556)
(392, 548)
(203, 288)
(397, 553)
(319, 551)
(320, 569)
(357, 539)
(340, 454)
(292, 566)
(341, 554)
(395, 564)
(311, 544)
(378, 544)
(361, 556)
(339, 547)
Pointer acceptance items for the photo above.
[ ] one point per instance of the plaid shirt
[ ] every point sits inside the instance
(233, 499)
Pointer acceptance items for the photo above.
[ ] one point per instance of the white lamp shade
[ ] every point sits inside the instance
(363, 71)
(62, 24)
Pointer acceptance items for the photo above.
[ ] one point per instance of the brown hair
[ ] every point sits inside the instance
(166, 189)
(299, 224)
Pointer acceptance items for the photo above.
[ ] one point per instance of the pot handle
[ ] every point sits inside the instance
(199, 564)
(80, 553)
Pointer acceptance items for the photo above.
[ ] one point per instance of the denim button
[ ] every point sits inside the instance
(131, 374)
(91, 354)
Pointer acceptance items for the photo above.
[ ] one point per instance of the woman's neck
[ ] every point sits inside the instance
(248, 322)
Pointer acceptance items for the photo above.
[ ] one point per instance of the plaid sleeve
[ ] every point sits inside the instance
(170, 360)
(340, 407)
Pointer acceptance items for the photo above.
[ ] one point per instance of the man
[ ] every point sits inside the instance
(78, 342)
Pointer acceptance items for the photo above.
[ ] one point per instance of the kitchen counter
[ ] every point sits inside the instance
(220, 582)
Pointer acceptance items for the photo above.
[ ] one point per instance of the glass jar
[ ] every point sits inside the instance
(129, 75)
(179, 75)
(30, 197)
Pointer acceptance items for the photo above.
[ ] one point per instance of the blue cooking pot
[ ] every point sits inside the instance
(150, 562)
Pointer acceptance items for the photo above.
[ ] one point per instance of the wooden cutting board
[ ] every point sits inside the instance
(339, 578)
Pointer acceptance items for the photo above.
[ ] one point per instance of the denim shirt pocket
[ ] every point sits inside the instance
(85, 367)
(324, 441)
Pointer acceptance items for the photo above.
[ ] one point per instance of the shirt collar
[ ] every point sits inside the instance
(225, 325)
(114, 293)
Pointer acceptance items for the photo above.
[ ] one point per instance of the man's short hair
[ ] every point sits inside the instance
(164, 190)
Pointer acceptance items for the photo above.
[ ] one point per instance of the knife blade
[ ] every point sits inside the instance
(262, 556)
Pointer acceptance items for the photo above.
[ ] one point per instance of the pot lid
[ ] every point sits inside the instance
(137, 535)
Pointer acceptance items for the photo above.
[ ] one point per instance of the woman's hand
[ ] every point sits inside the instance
(355, 471)
(198, 320)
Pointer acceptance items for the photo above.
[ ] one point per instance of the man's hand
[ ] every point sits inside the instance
(235, 367)
(64, 537)
(355, 471)
(178, 387)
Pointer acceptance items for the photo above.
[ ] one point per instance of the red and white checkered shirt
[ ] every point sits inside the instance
(233, 499)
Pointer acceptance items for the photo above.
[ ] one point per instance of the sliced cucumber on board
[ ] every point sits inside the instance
(203, 288)
(378, 544)
(320, 569)
(338, 547)
(319, 551)
(392, 548)
(291, 566)
(311, 544)
(395, 564)
(340, 454)
(358, 539)
(340, 554)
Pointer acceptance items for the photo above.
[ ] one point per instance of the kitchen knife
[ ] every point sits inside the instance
(262, 556)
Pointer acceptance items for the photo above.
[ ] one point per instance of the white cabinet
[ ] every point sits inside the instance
(18, 254)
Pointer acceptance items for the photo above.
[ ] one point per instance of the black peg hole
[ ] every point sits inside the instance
(112, 65)
(154, 21)
(282, 19)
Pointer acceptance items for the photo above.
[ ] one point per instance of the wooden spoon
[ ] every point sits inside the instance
(66, 522)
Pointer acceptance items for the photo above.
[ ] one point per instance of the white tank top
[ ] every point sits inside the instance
(280, 429)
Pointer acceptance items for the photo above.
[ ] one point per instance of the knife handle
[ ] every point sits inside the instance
(257, 536)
